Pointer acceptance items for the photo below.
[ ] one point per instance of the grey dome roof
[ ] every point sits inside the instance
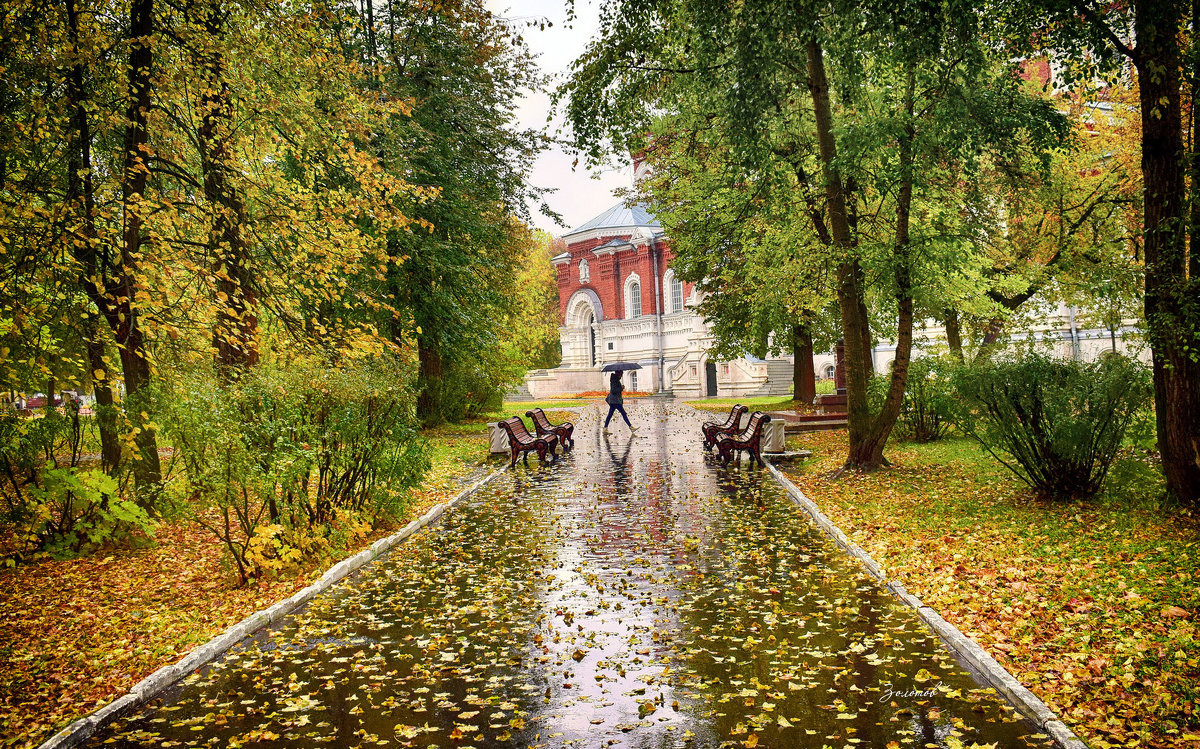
(620, 216)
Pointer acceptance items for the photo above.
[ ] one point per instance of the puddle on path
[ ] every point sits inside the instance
(630, 595)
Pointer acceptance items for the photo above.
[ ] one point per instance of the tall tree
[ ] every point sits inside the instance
(463, 68)
(913, 95)
(235, 331)
(1061, 229)
(1104, 38)
(146, 194)
(531, 333)
(117, 296)
(81, 198)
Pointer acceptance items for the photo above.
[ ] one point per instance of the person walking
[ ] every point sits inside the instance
(615, 401)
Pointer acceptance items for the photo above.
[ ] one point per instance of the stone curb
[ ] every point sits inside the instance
(147, 689)
(992, 672)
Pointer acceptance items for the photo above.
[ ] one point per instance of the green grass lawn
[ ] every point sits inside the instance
(1092, 604)
(477, 425)
(759, 403)
(762, 403)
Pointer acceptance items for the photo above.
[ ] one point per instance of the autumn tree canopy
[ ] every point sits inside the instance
(199, 189)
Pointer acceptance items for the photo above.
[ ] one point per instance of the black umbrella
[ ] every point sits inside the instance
(620, 366)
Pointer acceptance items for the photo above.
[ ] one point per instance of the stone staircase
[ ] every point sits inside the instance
(520, 394)
(799, 423)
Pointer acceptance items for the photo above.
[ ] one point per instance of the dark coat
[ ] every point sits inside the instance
(615, 388)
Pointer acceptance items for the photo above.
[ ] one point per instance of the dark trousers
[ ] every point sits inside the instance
(617, 407)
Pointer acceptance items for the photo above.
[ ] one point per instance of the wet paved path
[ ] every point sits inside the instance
(630, 595)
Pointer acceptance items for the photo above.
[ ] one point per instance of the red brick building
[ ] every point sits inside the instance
(619, 300)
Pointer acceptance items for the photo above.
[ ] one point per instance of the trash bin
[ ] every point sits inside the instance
(497, 438)
(773, 436)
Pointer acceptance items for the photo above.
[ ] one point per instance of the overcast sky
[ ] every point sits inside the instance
(581, 194)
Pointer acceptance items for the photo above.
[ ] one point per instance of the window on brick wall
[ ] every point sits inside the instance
(676, 295)
(633, 297)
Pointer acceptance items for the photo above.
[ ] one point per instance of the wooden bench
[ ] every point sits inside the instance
(521, 442)
(749, 439)
(712, 429)
(543, 427)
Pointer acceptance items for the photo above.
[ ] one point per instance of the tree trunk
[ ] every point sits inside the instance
(106, 410)
(235, 332)
(429, 391)
(867, 435)
(849, 292)
(123, 317)
(80, 191)
(804, 377)
(953, 333)
(372, 53)
(868, 454)
(1169, 291)
(991, 336)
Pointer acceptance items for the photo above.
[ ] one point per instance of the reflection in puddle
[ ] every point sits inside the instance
(630, 595)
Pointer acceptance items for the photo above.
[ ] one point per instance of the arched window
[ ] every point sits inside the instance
(672, 293)
(830, 371)
(584, 276)
(633, 296)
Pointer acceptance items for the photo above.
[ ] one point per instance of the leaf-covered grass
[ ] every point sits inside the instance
(1093, 605)
(76, 634)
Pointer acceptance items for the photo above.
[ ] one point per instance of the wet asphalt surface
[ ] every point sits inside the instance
(631, 594)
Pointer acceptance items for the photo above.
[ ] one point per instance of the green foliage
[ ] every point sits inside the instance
(284, 460)
(1057, 424)
(77, 509)
(456, 286)
(469, 388)
(788, 192)
(1141, 433)
(531, 335)
(51, 502)
(928, 406)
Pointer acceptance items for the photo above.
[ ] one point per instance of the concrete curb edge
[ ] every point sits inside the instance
(1026, 702)
(147, 689)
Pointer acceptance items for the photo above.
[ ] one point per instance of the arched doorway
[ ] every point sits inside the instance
(710, 378)
(581, 342)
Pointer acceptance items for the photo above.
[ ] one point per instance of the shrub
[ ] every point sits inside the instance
(928, 406)
(289, 460)
(1057, 424)
(927, 410)
(51, 502)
